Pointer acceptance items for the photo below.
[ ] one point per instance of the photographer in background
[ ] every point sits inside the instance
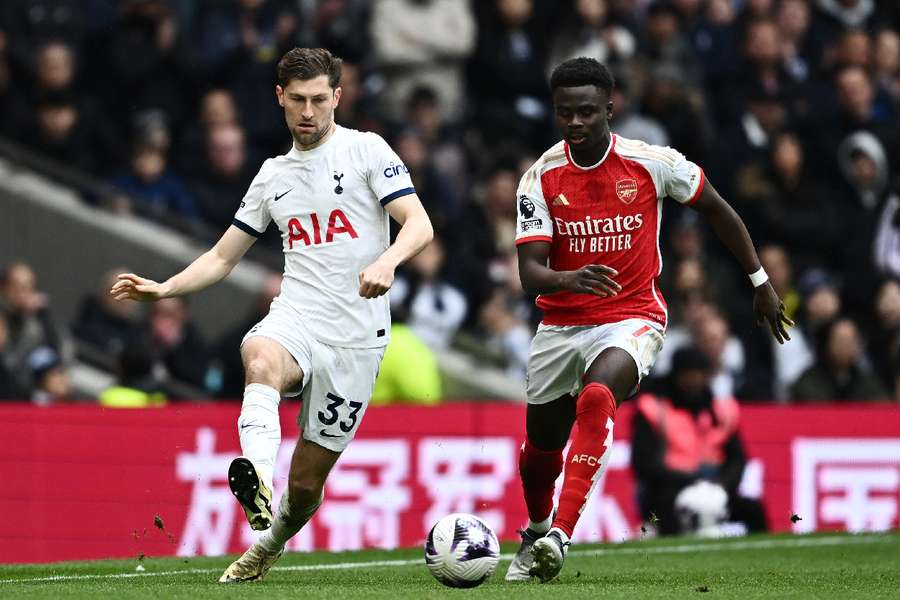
(685, 443)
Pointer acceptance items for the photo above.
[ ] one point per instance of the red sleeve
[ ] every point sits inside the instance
(534, 238)
(696, 195)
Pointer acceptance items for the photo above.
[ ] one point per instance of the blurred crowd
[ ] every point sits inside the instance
(791, 106)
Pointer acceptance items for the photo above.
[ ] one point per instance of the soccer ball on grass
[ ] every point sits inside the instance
(461, 550)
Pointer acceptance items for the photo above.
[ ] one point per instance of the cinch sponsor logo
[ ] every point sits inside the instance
(395, 170)
(338, 223)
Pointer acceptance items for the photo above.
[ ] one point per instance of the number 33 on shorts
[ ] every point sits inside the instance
(329, 416)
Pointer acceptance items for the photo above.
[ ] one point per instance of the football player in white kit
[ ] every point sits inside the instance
(325, 334)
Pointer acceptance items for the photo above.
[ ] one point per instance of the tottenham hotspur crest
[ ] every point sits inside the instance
(338, 189)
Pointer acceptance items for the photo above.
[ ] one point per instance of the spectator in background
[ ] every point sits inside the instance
(490, 223)
(868, 213)
(665, 47)
(713, 338)
(749, 139)
(104, 324)
(154, 189)
(778, 265)
(226, 175)
(508, 337)
(887, 64)
(797, 52)
(144, 61)
(216, 108)
(884, 339)
(422, 42)
(238, 43)
(588, 32)
(679, 110)
(686, 434)
(50, 380)
(629, 123)
(435, 189)
(714, 39)
(782, 197)
(434, 309)
(29, 321)
(228, 353)
(137, 386)
(443, 138)
(409, 371)
(32, 23)
(840, 372)
(821, 298)
(695, 268)
(58, 130)
(507, 75)
(9, 387)
(350, 112)
(177, 342)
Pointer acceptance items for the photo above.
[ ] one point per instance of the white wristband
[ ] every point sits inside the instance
(758, 278)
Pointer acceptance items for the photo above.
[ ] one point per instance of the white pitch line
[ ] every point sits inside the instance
(677, 549)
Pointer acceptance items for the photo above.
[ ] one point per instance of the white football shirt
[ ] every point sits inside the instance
(328, 204)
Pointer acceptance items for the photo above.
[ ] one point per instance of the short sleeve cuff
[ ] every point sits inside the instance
(246, 228)
(534, 238)
(696, 195)
(398, 194)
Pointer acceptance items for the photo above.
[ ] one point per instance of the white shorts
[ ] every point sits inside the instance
(560, 355)
(337, 382)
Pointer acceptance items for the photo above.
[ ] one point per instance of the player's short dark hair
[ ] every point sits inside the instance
(308, 63)
(576, 72)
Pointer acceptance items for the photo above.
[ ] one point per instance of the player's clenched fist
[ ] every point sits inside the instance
(375, 280)
(592, 279)
(132, 287)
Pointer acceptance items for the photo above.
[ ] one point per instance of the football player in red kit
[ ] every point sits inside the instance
(588, 246)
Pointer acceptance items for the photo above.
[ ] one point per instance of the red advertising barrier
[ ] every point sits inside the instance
(87, 482)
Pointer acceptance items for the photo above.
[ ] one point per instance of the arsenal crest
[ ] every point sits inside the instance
(626, 189)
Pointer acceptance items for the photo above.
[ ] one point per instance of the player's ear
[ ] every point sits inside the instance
(609, 110)
(337, 96)
(279, 93)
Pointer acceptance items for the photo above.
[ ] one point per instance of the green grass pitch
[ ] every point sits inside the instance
(818, 566)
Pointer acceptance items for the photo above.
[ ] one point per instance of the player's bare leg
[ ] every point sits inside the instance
(269, 370)
(548, 427)
(310, 466)
(608, 381)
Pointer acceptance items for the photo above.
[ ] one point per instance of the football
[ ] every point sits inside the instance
(461, 550)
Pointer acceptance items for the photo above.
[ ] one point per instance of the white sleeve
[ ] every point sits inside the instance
(533, 222)
(683, 180)
(252, 215)
(387, 175)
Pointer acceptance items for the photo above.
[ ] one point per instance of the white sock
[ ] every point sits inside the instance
(541, 526)
(260, 429)
(285, 526)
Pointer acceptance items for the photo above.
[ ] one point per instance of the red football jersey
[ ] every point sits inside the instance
(608, 213)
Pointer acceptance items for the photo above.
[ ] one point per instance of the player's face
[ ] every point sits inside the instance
(308, 108)
(582, 115)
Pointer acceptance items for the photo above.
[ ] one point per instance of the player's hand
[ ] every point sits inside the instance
(592, 279)
(375, 280)
(132, 287)
(769, 308)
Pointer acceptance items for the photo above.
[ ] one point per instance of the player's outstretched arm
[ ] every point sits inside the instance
(538, 278)
(211, 267)
(767, 306)
(415, 233)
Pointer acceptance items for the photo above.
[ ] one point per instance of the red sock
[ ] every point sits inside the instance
(539, 470)
(588, 454)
